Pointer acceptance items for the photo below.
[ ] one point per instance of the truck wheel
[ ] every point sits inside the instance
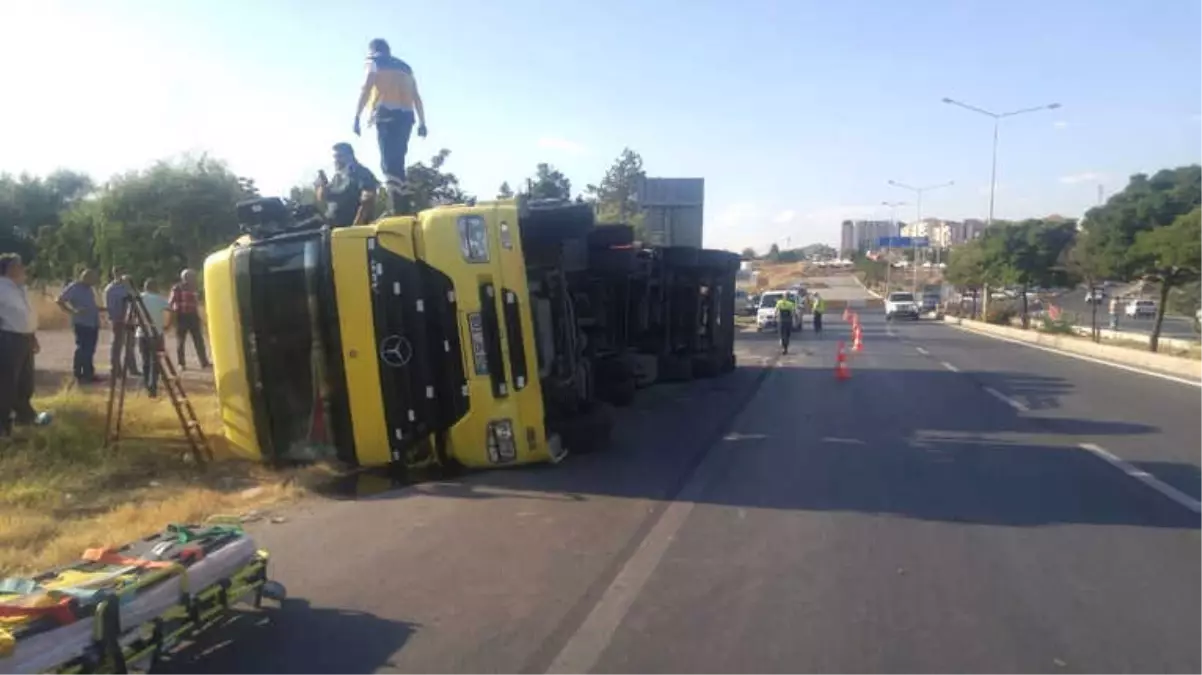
(622, 390)
(590, 431)
(704, 367)
(673, 368)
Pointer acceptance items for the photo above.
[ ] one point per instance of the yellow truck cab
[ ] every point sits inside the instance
(408, 341)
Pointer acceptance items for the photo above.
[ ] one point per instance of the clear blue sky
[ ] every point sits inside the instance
(795, 112)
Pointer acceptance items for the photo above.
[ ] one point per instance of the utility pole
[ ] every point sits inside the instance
(918, 191)
(892, 230)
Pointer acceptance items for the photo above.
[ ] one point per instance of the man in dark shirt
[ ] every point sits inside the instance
(350, 198)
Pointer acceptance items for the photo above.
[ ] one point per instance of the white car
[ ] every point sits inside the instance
(1141, 309)
(765, 316)
(899, 305)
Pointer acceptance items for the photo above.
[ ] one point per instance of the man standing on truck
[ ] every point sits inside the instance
(785, 309)
(390, 92)
(350, 198)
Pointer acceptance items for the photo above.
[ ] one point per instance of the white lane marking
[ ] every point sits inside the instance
(1017, 405)
(1145, 477)
(583, 650)
(949, 366)
(585, 647)
(1121, 366)
(922, 351)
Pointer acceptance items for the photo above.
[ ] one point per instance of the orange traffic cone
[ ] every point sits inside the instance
(857, 343)
(842, 370)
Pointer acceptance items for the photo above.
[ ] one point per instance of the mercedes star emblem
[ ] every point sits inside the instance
(396, 351)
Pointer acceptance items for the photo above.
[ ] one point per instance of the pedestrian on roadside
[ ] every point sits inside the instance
(819, 307)
(150, 345)
(117, 296)
(18, 345)
(390, 94)
(1114, 313)
(185, 305)
(79, 300)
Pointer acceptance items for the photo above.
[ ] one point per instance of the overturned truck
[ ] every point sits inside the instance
(481, 335)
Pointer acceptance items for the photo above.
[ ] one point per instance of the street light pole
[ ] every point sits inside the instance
(892, 228)
(918, 191)
(997, 119)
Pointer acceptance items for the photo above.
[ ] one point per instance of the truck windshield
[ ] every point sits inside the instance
(901, 297)
(279, 302)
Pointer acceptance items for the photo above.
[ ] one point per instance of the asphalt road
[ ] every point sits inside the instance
(934, 513)
(1178, 327)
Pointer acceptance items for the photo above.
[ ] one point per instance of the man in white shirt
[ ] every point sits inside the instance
(149, 345)
(18, 344)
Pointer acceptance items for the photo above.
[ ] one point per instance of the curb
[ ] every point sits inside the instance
(1175, 368)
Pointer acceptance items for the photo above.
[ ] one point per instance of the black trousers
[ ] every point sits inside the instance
(16, 379)
(186, 324)
(786, 331)
(393, 129)
(817, 322)
(86, 338)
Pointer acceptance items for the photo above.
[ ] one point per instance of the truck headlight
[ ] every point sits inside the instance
(502, 446)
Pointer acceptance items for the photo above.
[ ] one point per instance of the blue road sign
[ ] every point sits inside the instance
(903, 242)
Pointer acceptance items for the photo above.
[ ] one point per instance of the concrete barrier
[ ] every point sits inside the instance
(1162, 363)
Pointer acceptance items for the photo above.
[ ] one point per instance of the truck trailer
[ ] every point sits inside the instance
(481, 335)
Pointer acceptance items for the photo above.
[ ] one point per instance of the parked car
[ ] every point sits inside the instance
(1141, 309)
(765, 316)
(901, 305)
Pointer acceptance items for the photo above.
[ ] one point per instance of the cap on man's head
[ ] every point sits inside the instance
(344, 149)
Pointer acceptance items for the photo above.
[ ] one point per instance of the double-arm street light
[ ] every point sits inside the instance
(892, 233)
(918, 191)
(997, 119)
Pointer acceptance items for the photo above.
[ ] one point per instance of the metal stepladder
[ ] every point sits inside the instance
(138, 317)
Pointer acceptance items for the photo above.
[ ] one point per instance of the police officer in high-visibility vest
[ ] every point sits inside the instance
(819, 308)
(785, 309)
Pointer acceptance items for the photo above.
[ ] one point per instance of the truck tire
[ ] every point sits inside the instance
(673, 368)
(590, 431)
(616, 382)
(705, 366)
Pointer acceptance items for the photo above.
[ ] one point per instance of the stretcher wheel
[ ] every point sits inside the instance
(274, 590)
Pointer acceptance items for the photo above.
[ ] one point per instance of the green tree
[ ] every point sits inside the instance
(1171, 255)
(1026, 254)
(748, 253)
(156, 221)
(428, 186)
(1082, 261)
(615, 197)
(549, 183)
(505, 192)
(773, 254)
(29, 204)
(966, 269)
(1145, 205)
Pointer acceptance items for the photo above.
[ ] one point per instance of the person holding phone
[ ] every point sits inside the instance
(350, 196)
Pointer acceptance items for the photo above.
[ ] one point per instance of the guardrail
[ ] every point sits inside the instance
(1163, 363)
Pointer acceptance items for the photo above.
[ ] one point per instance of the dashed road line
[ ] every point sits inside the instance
(922, 351)
(1145, 477)
(949, 366)
(1017, 405)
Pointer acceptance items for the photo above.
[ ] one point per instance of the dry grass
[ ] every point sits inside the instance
(61, 492)
(50, 315)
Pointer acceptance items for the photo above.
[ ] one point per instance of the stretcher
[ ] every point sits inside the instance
(123, 608)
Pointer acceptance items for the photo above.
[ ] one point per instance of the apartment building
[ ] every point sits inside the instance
(862, 235)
